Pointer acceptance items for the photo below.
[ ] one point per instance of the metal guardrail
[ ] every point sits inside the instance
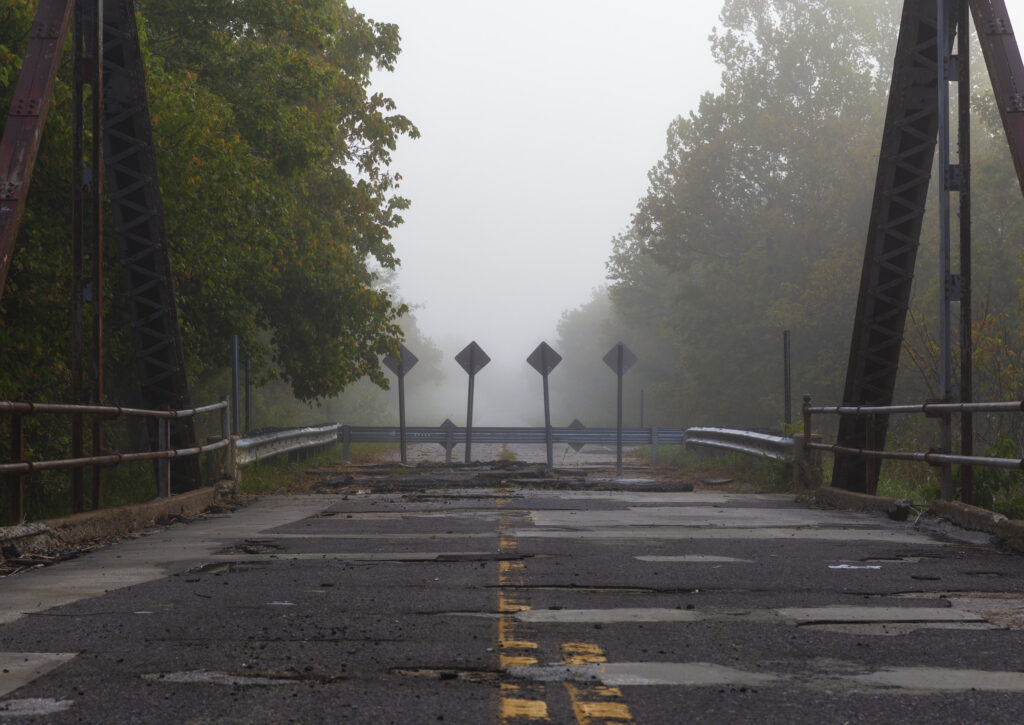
(943, 458)
(761, 445)
(257, 448)
(448, 438)
(16, 470)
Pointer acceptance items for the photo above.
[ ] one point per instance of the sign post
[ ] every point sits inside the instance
(472, 358)
(405, 362)
(543, 360)
(620, 359)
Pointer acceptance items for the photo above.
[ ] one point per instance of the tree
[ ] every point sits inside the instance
(273, 157)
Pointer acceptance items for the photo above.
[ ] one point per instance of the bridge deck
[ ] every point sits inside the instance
(468, 603)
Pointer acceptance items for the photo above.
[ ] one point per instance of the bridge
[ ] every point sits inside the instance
(508, 592)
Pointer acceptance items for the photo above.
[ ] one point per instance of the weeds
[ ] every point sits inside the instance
(505, 453)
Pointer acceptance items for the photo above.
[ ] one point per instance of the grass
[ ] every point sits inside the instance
(505, 453)
(281, 475)
(765, 475)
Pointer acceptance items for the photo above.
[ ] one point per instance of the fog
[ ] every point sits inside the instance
(540, 120)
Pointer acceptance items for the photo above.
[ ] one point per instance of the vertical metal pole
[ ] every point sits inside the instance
(654, 445)
(966, 344)
(163, 467)
(346, 442)
(248, 395)
(807, 417)
(95, 52)
(77, 253)
(401, 414)
(449, 444)
(225, 424)
(787, 383)
(547, 423)
(235, 412)
(641, 407)
(945, 277)
(618, 418)
(469, 417)
(16, 481)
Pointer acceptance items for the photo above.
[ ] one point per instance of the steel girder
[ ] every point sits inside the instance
(1006, 71)
(139, 228)
(27, 117)
(901, 189)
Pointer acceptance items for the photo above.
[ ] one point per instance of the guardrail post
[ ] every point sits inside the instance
(163, 466)
(16, 481)
(346, 441)
(449, 443)
(807, 414)
(225, 416)
(654, 445)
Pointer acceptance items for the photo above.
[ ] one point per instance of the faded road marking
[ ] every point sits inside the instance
(593, 703)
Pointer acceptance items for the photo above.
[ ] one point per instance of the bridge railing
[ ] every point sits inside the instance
(448, 438)
(759, 445)
(260, 447)
(16, 470)
(931, 457)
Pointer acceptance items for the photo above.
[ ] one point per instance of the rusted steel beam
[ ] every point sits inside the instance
(894, 231)
(26, 118)
(1002, 56)
(139, 227)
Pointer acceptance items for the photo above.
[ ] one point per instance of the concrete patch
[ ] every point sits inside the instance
(692, 533)
(218, 678)
(33, 707)
(734, 517)
(696, 559)
(856, 615)
(20, 668)
(685, 674)
(936, 679)
(1003, 609)
(609, 615)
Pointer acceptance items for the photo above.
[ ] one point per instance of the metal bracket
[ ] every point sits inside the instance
(954, 287)
(954, 178)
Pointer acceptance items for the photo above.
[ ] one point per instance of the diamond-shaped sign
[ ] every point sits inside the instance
(544, 359)
(612, 359)
(405, 362)
(576, 425)
(472, 358)
(446, 426)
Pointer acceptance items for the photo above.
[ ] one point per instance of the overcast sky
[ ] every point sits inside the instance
(539, 122)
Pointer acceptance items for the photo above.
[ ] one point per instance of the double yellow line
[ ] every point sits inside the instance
(526, 701)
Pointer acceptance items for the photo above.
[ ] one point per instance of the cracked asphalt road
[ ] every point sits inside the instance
(494, 604)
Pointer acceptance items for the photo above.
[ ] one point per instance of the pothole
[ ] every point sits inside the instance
(251, 546)
(442, 674)
(228, 567)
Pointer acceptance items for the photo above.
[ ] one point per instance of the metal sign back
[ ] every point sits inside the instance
(472, 358)
(544, 359)
(576, 425)
(405, 362)
(612, 359)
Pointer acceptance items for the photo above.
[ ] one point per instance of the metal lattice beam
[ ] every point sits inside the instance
(26, 119)
(901, 189)
(139, 227)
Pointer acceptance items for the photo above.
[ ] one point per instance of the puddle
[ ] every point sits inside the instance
(228, 567)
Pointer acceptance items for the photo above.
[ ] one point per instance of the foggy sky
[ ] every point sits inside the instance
(540, 120)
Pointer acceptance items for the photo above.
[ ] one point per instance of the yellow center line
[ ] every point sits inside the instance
(593, 704)
(525, 702)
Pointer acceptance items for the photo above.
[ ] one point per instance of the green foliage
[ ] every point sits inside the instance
(1000, 489)
(505, 453)
(273, 156)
